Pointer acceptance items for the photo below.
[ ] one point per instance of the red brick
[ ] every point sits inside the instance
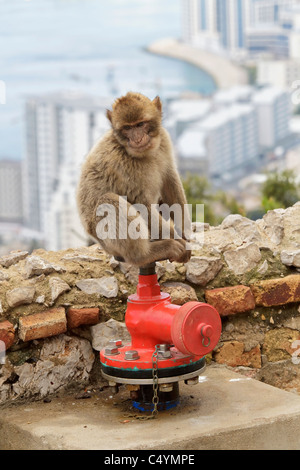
(231, 300)
(233, 354)
(82, 316)
(7, 333)
(42, 325)
(272, 292)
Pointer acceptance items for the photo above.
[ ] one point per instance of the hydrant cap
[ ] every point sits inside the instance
(196, 328)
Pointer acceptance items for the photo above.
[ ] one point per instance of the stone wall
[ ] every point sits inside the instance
(58, 309)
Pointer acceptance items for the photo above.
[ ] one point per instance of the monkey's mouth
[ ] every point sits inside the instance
(139, 146)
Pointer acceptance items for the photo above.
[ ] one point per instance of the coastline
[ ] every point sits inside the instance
(225, 73)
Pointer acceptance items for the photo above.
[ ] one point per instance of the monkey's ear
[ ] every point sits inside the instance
(109, 115)
(157, 103)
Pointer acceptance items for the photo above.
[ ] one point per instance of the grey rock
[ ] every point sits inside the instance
(291, 258)
(245, 228)
(20, 296)
(40, 299)
(58, 287)
(235, 220)
(63, 360)
(263, 268)
(273, 226)
(35, 266)
(202, 269)
(113, 263)
(221, 239)
(102, 333)
(4, 276)
(106, 286)
(243, 259)
(292, 228)
(130, 272)
(13, 258)
(293, 323)
(80, 258)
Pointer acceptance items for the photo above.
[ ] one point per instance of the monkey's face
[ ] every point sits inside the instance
(138, 138)
(136, 122)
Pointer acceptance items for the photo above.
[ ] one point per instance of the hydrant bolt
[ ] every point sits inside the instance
(111, 350)
(166, 387)
(116, 342)
(164, 351)
(193, 381)
(131, 355)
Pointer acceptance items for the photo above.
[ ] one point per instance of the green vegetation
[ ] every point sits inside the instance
(280, 190)
(217, 205)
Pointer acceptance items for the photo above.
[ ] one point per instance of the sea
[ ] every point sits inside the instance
(98, 47)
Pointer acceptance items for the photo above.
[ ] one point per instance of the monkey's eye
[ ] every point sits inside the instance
(140, 124)
(126, 128)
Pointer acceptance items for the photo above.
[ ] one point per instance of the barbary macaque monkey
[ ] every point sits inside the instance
(133, 163)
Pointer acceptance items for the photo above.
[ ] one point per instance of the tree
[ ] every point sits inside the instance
(198, 191)
(217, 205)
(280, 190)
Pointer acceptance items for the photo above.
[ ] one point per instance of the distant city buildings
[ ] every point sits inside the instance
(242, 28)
(60, 130)
(232, 130)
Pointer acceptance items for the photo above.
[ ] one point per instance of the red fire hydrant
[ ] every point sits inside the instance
(168, 344)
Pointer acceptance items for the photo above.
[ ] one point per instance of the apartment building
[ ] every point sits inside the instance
(60, 130)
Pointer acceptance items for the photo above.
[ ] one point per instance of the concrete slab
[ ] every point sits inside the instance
(224, 411)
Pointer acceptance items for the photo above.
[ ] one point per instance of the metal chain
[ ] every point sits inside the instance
(155, 398)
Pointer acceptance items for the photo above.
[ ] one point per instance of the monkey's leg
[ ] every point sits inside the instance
(165, 230)
(115, 227)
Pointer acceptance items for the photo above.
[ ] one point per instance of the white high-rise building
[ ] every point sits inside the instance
(231, 24)
(274, 108)
(199, 20)
(64, 226)
(11, 191)
(61, 129)
(215, 24)
(232, 138)
(279, 73)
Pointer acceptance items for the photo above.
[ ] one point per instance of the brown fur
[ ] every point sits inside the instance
(146, 175)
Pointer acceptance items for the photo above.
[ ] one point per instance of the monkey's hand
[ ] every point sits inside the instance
(180, 253)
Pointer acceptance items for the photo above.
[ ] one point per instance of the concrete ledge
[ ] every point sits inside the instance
(224, 411)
